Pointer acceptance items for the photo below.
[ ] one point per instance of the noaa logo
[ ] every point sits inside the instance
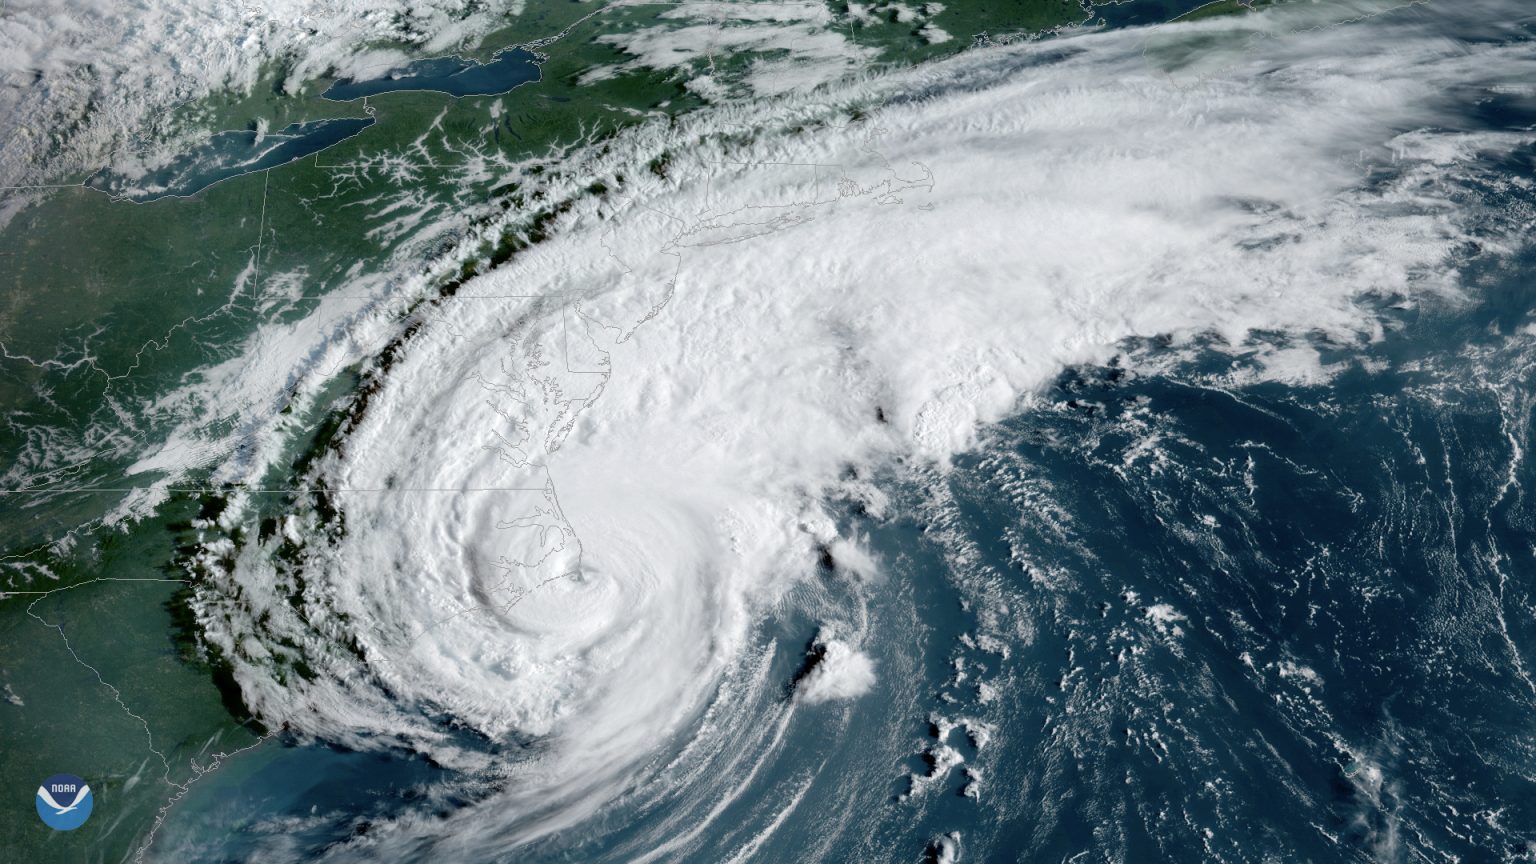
(64, 802)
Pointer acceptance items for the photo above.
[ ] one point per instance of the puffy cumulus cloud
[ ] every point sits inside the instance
(582, 480)
(841, 671)
(801, 45)
(82, 78)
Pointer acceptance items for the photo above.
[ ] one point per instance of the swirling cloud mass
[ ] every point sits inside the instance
(579, 485)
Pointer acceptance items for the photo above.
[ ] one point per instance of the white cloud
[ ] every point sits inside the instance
(933, 34)
(843, 672)
(815, 48)
(80, 79)
(660, 397)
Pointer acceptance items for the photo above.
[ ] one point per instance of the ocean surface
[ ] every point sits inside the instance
(1064, 454)
(1176, 615)
(1197, 601)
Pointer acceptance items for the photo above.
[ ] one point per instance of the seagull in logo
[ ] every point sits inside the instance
(60, 811)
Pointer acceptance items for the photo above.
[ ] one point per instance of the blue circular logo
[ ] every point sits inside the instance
(64, 802)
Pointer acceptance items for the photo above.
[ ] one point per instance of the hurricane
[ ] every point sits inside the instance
(1103, 447)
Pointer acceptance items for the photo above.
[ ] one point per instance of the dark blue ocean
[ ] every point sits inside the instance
(1173, 615)
(1176, 608)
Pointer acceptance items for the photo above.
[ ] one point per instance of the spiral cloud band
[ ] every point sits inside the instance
(544, 543)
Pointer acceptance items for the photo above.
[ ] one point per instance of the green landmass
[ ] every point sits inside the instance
(106, 305)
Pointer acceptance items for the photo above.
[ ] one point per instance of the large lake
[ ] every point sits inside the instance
(451, 75)
(229, 154)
